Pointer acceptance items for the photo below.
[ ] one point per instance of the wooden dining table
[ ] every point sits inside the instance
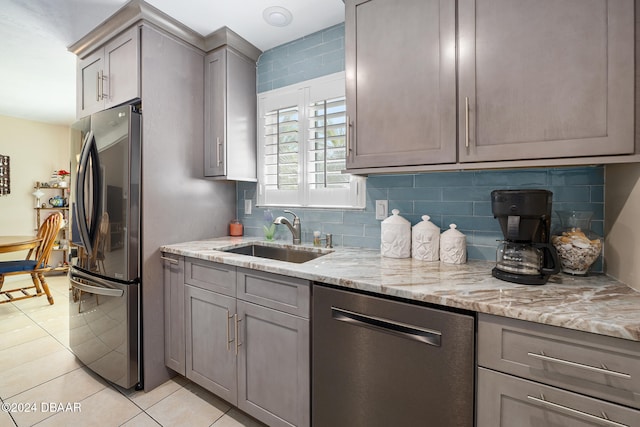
(18, 243)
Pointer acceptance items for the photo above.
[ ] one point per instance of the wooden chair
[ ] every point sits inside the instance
(35, 264)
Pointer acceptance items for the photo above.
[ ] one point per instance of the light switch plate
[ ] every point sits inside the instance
(247, 207)
(382, 209)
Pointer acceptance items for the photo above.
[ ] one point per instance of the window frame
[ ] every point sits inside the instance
(303, 94)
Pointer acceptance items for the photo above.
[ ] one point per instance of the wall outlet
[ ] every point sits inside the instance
(247, 207)
(382, 209)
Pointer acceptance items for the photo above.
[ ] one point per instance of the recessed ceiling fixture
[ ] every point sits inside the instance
(277, 16)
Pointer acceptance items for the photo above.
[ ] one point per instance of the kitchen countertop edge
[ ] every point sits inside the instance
(597, 304)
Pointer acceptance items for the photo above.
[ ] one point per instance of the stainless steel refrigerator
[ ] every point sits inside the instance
(104, 309)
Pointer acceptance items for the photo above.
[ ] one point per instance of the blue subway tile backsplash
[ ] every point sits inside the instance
(461, 197)
(312, 56)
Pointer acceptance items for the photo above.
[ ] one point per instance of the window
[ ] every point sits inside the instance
(303, 147)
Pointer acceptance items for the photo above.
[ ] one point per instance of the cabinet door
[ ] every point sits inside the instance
(122, 76)
(543, 79)
(240, 132)
(215, 95)
(89, 85)
(273, 366)
(401, 90)
(211, 354)
(174, 344)
(504, 400)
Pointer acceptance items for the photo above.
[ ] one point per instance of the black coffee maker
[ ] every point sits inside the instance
(525, 256)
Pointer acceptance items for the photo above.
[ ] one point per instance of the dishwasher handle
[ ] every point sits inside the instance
(403, 330)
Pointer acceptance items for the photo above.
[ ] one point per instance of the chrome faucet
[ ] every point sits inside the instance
(295, 228)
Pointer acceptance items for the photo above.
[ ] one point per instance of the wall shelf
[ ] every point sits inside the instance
(64, 234)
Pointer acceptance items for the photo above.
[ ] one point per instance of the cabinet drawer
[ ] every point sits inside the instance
(282, 293)
(505, 400)
(211, 276)
(587, 363)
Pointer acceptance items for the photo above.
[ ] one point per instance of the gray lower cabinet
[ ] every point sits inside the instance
(273, 366)
(109, 76)
(230, 116)
(174, 337)
(505, 400)
(531, 374)
(211, 359)
(245, 336)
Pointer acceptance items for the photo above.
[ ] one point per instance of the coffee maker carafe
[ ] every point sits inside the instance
(525, 256)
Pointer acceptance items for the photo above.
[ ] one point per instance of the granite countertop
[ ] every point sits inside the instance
(597, 304)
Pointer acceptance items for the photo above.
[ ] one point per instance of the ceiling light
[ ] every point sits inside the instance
(277, 16)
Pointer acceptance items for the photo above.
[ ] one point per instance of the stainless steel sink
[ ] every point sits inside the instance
(287, 254)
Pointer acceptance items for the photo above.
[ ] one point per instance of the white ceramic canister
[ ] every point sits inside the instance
(425, 240)
(395, 236)
(453, 246)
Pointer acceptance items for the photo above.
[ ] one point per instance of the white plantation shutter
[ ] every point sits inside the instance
(327, 148)
(281, 149)
(302, 147)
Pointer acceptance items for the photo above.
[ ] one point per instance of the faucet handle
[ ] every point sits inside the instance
(292, 213)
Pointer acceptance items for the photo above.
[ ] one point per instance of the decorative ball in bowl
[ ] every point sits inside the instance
(578, 247)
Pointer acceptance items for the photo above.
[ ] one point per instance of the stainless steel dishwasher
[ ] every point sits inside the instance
(381, 362)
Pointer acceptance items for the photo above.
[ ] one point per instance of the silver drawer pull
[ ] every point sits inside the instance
(170, 260)
(426, 336)
(604, 420)
(603, 370)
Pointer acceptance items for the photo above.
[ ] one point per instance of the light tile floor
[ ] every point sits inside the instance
(43, 384)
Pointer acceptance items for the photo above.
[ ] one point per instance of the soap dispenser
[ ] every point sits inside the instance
(395, 236)
(425, 240)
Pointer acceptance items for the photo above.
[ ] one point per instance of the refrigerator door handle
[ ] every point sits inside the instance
(97, 290)
(89, 153)
(74, 276)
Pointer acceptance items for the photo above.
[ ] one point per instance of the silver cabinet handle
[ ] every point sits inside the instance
(603, 420)
(218, 150)
(236, 321)
(348, 136)
(466, 121)
(602, 370)
(169, 260)
(426, 336)
(228, 340)
(98, 85)
(102, 79)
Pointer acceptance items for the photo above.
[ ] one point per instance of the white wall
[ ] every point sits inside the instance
(622, 223)
(36, 150)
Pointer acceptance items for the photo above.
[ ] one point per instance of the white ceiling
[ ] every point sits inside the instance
(37, 74)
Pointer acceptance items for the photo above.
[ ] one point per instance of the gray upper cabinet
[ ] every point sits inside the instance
(544, 79)
(109, 76)
(536, 83)
(401, 88)
(230, 116)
